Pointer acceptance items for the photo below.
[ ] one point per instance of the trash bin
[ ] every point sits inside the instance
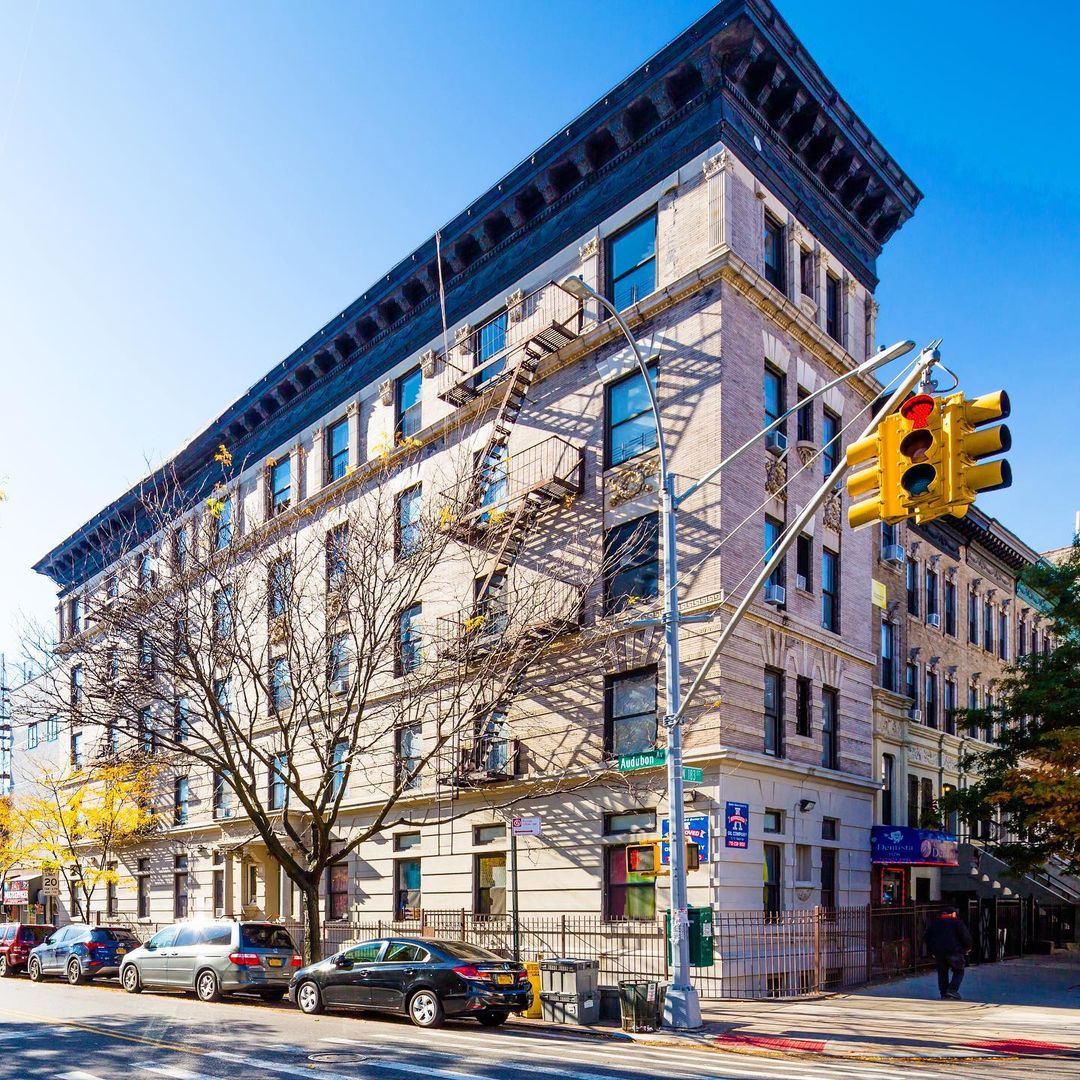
(570, 976)
(534, 1011)
(642, 1005)
(570, 1008)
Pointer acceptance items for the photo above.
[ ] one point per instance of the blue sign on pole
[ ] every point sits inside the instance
(737, 825)
(697, 830)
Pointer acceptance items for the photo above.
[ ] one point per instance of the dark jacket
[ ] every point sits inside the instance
(947, 936)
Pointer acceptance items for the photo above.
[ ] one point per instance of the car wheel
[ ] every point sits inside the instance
(207, 986)
(425, 1009)
(5, 971)
(309, 998)
(33, 969)
(129, 979)
(492, 1019)
(272, 995)
(74, 972)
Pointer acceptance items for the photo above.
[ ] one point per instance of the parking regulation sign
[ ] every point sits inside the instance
(525, 826)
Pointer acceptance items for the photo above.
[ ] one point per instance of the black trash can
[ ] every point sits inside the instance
(641, 1003)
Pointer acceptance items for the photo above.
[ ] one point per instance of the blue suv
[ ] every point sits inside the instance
(80, 952)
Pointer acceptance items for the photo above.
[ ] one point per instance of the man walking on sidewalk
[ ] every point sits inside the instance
(948, 941)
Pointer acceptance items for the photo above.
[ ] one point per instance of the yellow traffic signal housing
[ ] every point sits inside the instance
(968, 442)
(643, 860)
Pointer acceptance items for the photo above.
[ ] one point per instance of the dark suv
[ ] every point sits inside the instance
(80, 952)
(16, 941)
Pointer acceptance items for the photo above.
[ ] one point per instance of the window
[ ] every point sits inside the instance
(629, 821)
(337, 767)
(280, 684)
(218, 887)
(913, 802)
(180, 887)
(407, 889)
(490, 605)
(930, 707)
(973, 618)
(1034, 640)
(888, 789)
(180, 637)
(76, 750)
(278, 771)
(32, 735)
(804, 563)
(222, 613)
(223, 795)
(147, 735)
(950, 706)
(489, 875)
(181, 720)
(52, 729)
(952, 819)
(142, 889)
(775, 396)
(773, 532)
(830, 828)
(278, 587)
(281, 486)
(337, 891)
(1021, 639)
(804, 418)
(806, 272)
(407, 537)
(112, 905)
(888, 534)
(223, 696)
(146, 654)
(772, 898)
(112, 736)
(337, 553)
(803, 862)
(406, 841)
(75, 615)
(147, 575)
(830, 590)
(488, 834)
(410, 754)
(950, 608)
(988, 626)
(773, 821)
(930, 582)
(223, 523)
(493, 752)
(631, 563)
(973, 704)
(830, 735)
(337, 451)
(888, 655)
(408, 658)
(1003, 634)
(338, 663)
(112, 587)
(630, 424)
(927, 805)
(180, 549)
(830, 438)
(832, 306)
(493, 478)
(774, 712)
(631, 257)
(774, 252)
(828, 878)
(490, 346)
(626, 895)
(911, 683)
(180, 800)
(76, 685)
(630, 726)
(408, 404)
(803, 687)
(911, 570)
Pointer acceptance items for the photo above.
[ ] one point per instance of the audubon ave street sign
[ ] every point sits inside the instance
(651, 760)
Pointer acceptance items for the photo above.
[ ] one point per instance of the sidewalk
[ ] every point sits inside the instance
(1016, 1008)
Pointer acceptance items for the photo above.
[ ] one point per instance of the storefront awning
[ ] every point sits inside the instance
(901, 845)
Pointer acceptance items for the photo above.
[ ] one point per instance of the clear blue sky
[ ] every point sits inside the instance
(188, 191)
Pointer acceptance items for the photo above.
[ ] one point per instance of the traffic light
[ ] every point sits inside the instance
(968, 441)
(643, 859)
(878, 479)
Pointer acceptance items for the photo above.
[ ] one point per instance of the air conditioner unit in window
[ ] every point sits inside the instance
(776, 442)
(775, 594)
(800, 581)
(893, 553)
(915, 714)
(339, 687)
(933, 620)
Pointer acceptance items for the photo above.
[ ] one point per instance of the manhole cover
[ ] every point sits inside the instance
(337, 1057)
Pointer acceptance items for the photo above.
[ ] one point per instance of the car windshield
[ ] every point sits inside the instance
(462, 950)
(120, 937)
(34, 933)
(265, 937)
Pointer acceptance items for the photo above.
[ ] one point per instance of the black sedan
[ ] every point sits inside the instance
(428, 980)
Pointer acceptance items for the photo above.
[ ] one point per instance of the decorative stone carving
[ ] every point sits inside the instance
(850, 286)
(806, 452)
(776, 478)
(515, 305)
(633, 481)
(590, 249)
(833, 511)
(722, 162)
(386, 391)
(808, 305)
(463, 339)
(429, 360)
(774, 649)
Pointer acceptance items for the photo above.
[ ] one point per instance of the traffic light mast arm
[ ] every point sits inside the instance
(927, 358)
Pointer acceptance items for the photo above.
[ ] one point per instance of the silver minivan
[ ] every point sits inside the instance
(214, 958)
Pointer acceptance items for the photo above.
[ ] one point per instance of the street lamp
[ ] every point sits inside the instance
(682, 1009)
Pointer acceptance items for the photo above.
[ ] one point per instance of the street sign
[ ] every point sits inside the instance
(691, 775)
(50, 882)
(651, 760)
(525, 826)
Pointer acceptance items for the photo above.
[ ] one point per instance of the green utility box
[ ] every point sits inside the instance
(701, 936)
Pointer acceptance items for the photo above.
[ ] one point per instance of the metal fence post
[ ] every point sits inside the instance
(817, 948)
(562, 938)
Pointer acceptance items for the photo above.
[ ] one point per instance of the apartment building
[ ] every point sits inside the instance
(732, 205)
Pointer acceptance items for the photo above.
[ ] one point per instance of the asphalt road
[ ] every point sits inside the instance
(53, 1031)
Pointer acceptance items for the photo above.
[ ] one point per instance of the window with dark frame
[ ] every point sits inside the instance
(407, 889)
(772, 821)
(337, 891)
(407, 518)
(803, 706)
(804, 562)
(181, 802)
(775, 386)
(828, 878)
(1003, 634)
(988, 626)
(774, 712)
(832, 307)
(626, 895)
(830, 590)
(930, 583)
(407, 405)
(772, 892)
(280, 684)
(337, 556)
(911, 683)
(279, 581)
(489, 883)
(911, 576)
(491, 347)
(338, 757)
(112, 906)
(912, 801)
(629, 422)
(180, 887)
(222, 795)
(830, 734)
(773, 532)
(279, 768)
(773, 237)
(888, 789)
(223, 523)
(408, 754)
(806, 272)
(142, 889)
(830, 440)
(281, 485)
(408, 652)
(930, 706)
(888, 655)
(631, 563)
(630, 725)
(950, 608)
(950, 706)
(1021, 638)
(631, 259)
(804, 418)
(337, 450)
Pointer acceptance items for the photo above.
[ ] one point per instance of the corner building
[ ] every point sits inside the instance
(732, 205)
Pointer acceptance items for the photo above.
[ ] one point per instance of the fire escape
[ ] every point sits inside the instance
(496, 510)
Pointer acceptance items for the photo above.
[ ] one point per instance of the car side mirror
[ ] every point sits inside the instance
(48, 941)
(150, 947)
(343, 962)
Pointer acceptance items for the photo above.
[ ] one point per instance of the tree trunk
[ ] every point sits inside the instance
(312, 924)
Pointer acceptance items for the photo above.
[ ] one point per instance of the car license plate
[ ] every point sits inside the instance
(274, 961)
(121, 952)
(504, 980)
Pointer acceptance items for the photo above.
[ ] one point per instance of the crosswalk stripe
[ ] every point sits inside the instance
(78, 1074)
(174, 1072)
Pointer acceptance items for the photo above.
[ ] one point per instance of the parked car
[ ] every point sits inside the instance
(16, 941)
(81, 952)
(427, 980)
(213, 959)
